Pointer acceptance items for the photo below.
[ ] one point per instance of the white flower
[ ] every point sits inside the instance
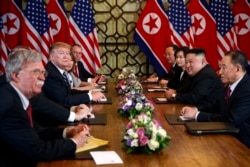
(153, 144)
(120, 76)
(130, 132)
(134, 143)
(162, 132)
(138, 106)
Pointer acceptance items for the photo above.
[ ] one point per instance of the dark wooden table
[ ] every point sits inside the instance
(185, 150)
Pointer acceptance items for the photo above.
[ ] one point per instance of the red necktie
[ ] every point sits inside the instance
(228, 93)
(76, 71)
(29, 113)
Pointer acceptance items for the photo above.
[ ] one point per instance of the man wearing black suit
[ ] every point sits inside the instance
(22, 140)
(237, 101)
(2, 78)
(204, 88)
(57, 86)
(79, 70)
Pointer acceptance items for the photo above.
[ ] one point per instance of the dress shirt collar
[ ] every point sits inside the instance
(59, 69)
(233, 86)
(24, 100)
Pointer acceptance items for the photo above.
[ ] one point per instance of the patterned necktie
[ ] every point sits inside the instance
(29, 113)
(65, 78)
(228, 93)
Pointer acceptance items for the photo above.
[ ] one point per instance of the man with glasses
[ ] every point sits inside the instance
(57, 86)
(22, 140)
(79, 70)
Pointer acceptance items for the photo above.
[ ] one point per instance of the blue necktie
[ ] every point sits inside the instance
(65, 79)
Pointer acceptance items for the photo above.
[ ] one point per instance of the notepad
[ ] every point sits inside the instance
(92, 143)
(198, 128)
(106, 157)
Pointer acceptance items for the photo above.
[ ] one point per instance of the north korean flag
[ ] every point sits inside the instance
(152, 34)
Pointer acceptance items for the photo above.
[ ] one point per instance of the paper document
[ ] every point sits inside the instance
(106, 157)
(92, 143)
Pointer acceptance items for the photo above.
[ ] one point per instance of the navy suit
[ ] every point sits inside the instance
(235, 111)
(174, 81)
(47, 112)
(204, 90)
(2, 79)
(19, 142)
(58, 91)
(83, 73)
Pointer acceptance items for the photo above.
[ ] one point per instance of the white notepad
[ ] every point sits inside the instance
(106, 157)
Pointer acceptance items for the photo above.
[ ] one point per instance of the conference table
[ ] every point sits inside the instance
(184, 149)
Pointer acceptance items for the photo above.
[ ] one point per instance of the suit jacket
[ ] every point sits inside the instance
(22, 144)
(204, 90)
(235, 111)
(3, 79)
(174, 81)
(83, 73)
(47, 112)
(174, 72)
(58, 91)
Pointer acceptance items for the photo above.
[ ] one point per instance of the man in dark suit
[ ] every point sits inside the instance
(237, 100)
(22, 140)
(2, 78)
(204, 88)
(57, 86)
(79, 70)
(49, 113)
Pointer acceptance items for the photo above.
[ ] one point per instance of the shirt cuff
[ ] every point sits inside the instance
(89, 80)
(90, 95)
(72, 116)
(196, 115)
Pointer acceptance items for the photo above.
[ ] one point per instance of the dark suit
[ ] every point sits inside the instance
(174, 81)
(2, 79)
(22, 145)
(204, 90)
(47, 112)
(236, 111)
(58, 91)
(83, 73)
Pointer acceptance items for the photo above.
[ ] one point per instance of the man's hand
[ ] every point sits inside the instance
(81, 111)
(97, 96)
(189, 112)
(169, 93)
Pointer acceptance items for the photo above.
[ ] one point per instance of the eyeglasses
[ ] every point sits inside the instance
(37, 72)
(78, 53)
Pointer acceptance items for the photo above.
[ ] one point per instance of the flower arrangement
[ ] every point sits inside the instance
(134, 104)
(127, 82)
(144, 135)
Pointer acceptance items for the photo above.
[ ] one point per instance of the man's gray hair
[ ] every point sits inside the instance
(17, 60)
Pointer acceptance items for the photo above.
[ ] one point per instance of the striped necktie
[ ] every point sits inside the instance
(65, 78)
(228, 94)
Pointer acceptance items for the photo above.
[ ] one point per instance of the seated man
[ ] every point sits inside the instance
(22, 140)
(203, 87)
(79, 69)
(236, 105)
(174, 72)
(57, 86)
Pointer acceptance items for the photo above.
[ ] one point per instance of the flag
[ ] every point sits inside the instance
(3, 48)
(38, 33)
(204, 29)
(180, 20)
(151, 35)
(58, 21)
(83, 32)
(226, 36)
(13, 22)
(241, 11)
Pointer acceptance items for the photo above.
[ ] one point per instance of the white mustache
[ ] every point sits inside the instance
(39, 83)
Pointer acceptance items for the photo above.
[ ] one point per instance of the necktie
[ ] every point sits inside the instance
(29, 113)
(76, 71)
(65, 78)
(228, 93)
